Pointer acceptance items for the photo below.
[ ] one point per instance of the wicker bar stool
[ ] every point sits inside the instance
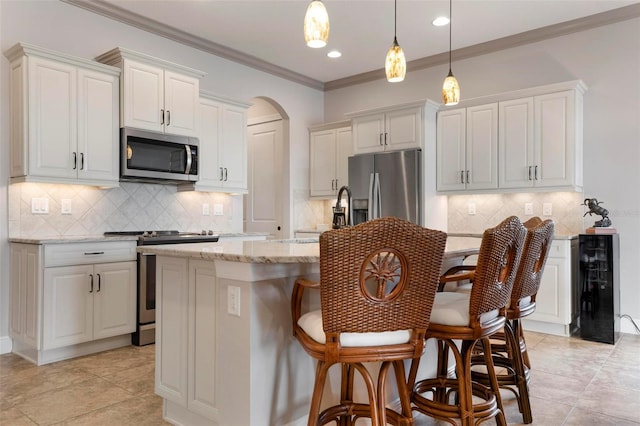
(509, 349)
(470, 318)
(377, 285)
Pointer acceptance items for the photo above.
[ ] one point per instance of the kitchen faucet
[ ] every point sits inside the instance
(339, 219)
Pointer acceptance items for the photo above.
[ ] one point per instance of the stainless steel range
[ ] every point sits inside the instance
(146, 312)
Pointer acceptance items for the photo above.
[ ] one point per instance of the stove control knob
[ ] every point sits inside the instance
(210, 232)
(204, 232)
(145, 234)
(154, 234)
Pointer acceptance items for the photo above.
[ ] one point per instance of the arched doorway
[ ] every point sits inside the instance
(267, 205)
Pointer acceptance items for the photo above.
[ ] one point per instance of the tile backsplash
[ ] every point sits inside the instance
(490, 209)
(131, 207)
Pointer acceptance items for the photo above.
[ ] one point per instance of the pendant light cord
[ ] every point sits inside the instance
(450, 1)
(395, 19)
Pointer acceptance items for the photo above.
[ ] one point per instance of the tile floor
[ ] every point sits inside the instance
(573, 382)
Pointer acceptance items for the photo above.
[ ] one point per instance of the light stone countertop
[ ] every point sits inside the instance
(473, 235)
(100, 238)
(302, 250)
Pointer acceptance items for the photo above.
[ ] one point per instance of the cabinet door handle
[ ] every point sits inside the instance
(467, 176)
(380, 137)
(461, 176)
(332, 184)
(529, 172)
(91, 281)
(75, 161)
(535, 173)
(221, 173)
(99, 283)
(162, 117)
(93, 253)
(385, 138)
(225, 174)
(82, 161)
(168, 118)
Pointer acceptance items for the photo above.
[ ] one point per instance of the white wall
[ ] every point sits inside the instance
(607, 59)
(69, 29)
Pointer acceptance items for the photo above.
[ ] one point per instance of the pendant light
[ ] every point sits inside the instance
(395, 65)
(316, 25)
(450, 88)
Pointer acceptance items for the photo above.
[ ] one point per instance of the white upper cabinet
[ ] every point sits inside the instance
(330, 146)
(540, 141)
(157, 95)
(529, 139)
(467, 145)
(64, 118)
(222, 134)
(388, 129)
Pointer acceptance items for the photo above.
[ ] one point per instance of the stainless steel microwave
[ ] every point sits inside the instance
(147, 156)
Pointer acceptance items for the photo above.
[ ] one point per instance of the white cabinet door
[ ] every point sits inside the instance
(516, 140)
(98, 137)
(344, 150)
(142, 96)
(554, 129)
(114, 302)
(234, 148)
(451, 150)
(172, 314)
(482, 147)
(67, 308)
(403, 129)
(322, 151)
(209, 132)
(368, 133)
(52, 118)
(181, 97)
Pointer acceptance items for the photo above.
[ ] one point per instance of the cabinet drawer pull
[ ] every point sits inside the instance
(93, 253)
(162, 117)
(91, 281)
(99, 283)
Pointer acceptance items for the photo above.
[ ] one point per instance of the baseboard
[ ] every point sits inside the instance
(5, 345)
(626, 326)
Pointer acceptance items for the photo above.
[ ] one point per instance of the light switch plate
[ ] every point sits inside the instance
(40, 205)
(218, 209)
(471, 208)
(547, 209)
(233, 300)
(528, 209)
(205, 209)
(65, 206)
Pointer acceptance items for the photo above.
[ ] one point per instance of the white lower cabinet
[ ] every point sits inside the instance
(185, 314)
(553, 312)
(71, 299)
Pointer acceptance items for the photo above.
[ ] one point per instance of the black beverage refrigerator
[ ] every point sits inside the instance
(598, 287)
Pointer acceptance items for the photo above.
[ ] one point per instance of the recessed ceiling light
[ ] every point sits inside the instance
(334, 54)
(440, 21)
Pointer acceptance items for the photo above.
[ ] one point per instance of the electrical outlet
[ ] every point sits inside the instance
(218, 209)
(471, 207)
(65, 206)
(233, 300)
(547, 209)
(40, 205)
(528, 209)
(205, 209)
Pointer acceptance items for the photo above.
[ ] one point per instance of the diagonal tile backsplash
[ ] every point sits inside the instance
(131, 207)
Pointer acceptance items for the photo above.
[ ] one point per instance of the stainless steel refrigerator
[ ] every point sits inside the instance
(386, 184)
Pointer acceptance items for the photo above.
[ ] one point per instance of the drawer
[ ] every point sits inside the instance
(560, 248)
(89, 253)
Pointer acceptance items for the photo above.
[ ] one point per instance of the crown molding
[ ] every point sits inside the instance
(564, 28)
(141, 22)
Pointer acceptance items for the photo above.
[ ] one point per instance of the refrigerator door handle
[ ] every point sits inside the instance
(370, 208)
(377, 207)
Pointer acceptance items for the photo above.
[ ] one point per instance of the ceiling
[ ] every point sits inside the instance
(268, 34)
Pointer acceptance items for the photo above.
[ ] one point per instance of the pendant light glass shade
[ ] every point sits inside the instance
(316, 25)
(395, 65)
(450, 88)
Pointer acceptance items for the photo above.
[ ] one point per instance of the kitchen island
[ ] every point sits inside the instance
(225, 353)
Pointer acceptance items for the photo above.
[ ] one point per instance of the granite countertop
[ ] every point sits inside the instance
(301, 250)
(100, 238)
(473, 235)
